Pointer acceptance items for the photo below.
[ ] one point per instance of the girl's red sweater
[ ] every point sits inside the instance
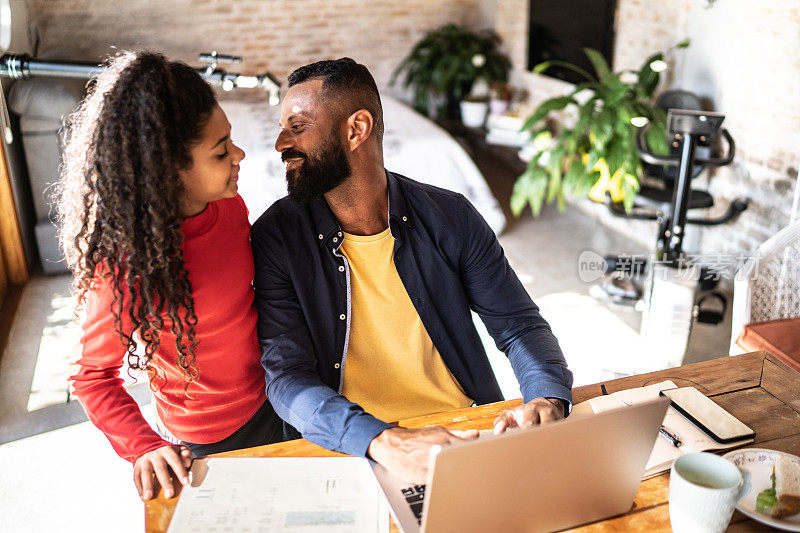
(229, 387)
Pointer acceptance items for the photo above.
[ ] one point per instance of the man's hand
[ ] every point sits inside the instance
(536, 411)
(158, 462)
(404, 452)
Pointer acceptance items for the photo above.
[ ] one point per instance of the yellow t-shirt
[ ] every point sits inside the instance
(392, 368)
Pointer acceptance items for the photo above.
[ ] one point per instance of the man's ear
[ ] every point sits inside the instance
(359, 128)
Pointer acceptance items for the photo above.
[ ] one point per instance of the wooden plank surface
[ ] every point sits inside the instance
(717, 376)
(733, 382)
(768, 416)
(776, 380)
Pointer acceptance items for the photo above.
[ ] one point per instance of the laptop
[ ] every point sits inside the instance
(546, 478)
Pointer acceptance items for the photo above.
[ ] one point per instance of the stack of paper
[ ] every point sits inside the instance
(505, 130)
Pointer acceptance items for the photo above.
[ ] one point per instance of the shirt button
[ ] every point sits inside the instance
(337, 365)
(342, 317)
(341, 269)
(405, 219)
(320, 236)
(339, 234)
(335, 239)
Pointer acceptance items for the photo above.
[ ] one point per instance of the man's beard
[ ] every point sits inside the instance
(318, 173)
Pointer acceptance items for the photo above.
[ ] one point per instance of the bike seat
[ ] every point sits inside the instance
(662, 198)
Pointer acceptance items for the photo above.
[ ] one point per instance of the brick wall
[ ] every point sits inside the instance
(274, 35)
(744, 62)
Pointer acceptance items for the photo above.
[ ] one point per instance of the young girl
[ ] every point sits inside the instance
(158, 240)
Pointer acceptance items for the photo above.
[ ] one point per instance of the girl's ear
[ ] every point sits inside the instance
(359, 128)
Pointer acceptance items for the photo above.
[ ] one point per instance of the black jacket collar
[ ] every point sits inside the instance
(327, 227)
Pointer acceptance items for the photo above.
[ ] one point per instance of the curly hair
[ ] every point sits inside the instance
(119, 196)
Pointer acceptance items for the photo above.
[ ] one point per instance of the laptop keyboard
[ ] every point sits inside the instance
(415, 495)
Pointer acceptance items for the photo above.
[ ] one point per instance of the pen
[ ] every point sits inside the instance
(671, 437)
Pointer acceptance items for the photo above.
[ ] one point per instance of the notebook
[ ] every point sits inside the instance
(692, 438)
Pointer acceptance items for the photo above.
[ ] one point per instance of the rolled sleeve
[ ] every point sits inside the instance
(510, 316)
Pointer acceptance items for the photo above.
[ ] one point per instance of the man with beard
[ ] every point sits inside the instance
(364, 283)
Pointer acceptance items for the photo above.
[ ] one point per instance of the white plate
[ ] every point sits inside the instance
(759, 463)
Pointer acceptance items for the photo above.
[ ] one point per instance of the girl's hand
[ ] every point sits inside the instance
(159, 462)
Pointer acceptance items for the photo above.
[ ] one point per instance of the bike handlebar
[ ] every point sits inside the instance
(673, 161)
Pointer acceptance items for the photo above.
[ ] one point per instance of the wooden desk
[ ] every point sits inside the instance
(756, 388)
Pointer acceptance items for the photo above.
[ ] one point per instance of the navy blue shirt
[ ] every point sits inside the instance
(449, 261)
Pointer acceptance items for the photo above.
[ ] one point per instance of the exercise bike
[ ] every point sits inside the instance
(672, 278)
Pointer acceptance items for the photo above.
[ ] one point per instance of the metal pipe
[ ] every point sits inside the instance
(24, 67)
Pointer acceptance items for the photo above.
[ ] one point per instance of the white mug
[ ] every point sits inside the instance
(703, 491)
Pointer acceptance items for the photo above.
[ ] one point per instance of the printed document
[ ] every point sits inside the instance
(272, 495)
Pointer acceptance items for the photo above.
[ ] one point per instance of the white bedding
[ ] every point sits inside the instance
(413, 146)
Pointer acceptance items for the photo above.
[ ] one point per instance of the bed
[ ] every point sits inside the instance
(413, 146)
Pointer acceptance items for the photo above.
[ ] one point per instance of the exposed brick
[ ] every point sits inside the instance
(278, 35)
(751, 58)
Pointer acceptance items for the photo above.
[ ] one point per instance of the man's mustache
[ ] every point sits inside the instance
(291, 153)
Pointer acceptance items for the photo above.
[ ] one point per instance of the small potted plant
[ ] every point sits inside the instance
(473, 110)
(475, 105)
(443, 66)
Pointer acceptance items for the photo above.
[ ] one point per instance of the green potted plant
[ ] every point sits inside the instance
(443, 66)
(596, 153)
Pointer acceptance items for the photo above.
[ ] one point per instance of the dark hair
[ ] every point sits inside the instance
(119, 196)
(350, 83)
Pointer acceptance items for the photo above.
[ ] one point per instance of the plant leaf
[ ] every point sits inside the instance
(552, 104)
(599, 64)
(541, 67)
(519, 196)
(585, 114)
(602, 129)
(647, 77)
(573, 179)
(569, 66)
(630, 186)
(554, 171)
(529, 189)
(536, 191)
(656, 141)
(616, 91)
(617, 154)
